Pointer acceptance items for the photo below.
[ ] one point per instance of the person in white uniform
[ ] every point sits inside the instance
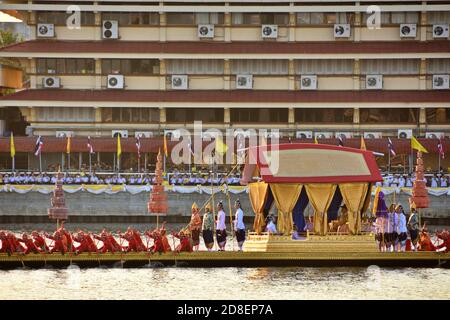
(221, 229)
(239, 227)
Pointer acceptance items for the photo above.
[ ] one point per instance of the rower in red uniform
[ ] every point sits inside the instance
(39, 241)
(445, 237)
(107, 245)
(29, 243)
(5, 246)
(140, 246)
(60, 242)
(164, 240)
(14, 244)
(425, 243)
(91, 243)
(68, 236)
(128, 236)
(185, 242)
(113, 242)
(157, 241)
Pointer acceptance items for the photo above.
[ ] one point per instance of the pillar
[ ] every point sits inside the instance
(162, 116)
(423, 24)
(356, 74)
(227, 24)
(32, 71)
(291, 117)
(98, 74)
(162, 74)
(226, 74)
(292, 24)
(423, 74)
(291, 72)
(98, 114)
(358, 25)
(162, 25)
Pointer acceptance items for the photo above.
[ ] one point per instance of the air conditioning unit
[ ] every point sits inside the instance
(120, 133)
(373, 135)
(323, 135)
(344, 135)
(440, 31)
(45, 30)
(143, 134)
(51, 82)
(115, 81)
(374, 81)
(434, 135)
(269, 31)
(110, 29)
(304, 134)
(440, 81)
(205, 31)
(308, 82)
(342, 30)
(244, 81)
(404, 133)
(179, 82)
(408, 30)
(176, 134)
(65, 134)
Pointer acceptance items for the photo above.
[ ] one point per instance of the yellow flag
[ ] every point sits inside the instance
(119, 147)
(315, 140)
(417, 146)
(221, 147)
(165, 146)
(12, 146)
(363, 144)
(69, 143)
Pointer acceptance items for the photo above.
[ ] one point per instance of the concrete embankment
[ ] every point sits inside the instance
(125, 207)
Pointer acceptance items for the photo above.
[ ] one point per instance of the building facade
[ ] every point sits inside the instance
(308, 68)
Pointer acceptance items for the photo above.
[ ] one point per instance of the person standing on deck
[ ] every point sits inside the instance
(221, 229)
(195, 226)
(413, 227)
(207, 228)
(401, 229)
(239, 226)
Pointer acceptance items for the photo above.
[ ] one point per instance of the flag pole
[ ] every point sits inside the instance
(139, 164)
(389, 162)
(90, 162)
(40, 161)
(14, 164)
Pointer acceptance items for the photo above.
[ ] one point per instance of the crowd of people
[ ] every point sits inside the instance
(191, 179)
(407, 180)
(132, 240)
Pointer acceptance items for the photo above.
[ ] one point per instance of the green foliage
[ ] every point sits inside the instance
(7, 38)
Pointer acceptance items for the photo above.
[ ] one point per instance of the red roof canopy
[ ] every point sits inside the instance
(311, 163)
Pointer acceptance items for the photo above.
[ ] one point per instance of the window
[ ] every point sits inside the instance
(260, 18)
(194, 114)
(390, 66)
(65, 66)
(177, 18)
(438, 115)
(208, 18)
(328, 115)
(132, 18)
(438, 66)
(321, 66)
(130, 66)
(259, 115)
(436, 17)
(70, 114)
(389, 115)
(194, 66)
(130, 115)
(265, 67)
(395, 17)
(317, 18)
(60, 18)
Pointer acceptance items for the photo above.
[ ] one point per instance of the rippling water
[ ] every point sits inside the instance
(222, 283)
(225, 283)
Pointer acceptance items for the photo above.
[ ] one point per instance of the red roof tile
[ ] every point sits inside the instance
(236, 47)
(245, 96)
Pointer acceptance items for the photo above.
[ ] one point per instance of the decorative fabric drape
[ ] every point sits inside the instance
(298, 213)
(320, 196)
(354, 195)
(285, 196)
(336, 202)
(368, 199)
(258, 194)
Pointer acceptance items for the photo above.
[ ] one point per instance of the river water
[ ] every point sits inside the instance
(220, 283)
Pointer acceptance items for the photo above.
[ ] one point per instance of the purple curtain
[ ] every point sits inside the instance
(333, 210)
(297, 213)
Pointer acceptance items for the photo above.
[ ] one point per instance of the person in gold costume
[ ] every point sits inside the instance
(195, 225)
